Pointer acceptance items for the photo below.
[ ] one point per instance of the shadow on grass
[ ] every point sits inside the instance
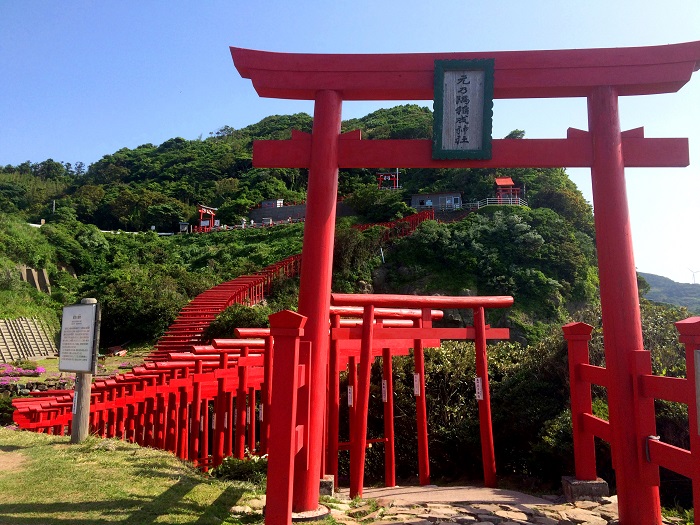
(128, 511)
(11, 448)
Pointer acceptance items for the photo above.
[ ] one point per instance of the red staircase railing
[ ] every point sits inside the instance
(400, 227)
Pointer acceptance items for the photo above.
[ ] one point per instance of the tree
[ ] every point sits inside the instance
(48, 169)
(377, 205)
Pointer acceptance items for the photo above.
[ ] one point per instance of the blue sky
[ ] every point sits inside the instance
(82, 79)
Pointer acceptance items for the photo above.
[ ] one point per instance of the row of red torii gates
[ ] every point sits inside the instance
(599, 75)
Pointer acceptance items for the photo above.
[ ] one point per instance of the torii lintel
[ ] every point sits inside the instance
(518, 74)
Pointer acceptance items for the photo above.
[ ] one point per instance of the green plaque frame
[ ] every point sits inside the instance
(463, 109)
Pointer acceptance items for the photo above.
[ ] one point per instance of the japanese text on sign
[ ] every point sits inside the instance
(76, 352)
(463, 109)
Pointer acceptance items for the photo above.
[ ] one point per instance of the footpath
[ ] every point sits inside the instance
(472, 506)
(432, 505)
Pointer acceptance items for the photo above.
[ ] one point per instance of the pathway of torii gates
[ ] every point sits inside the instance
(599, 75)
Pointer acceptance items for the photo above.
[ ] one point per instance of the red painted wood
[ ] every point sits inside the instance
(286, 328)
(420, 301)
(674, 458)
(518, 74)
(359, 443)
(421, 405)
(315, 282)
(383, 313)
(577, 336)
(638, 500)
(266, 395)
(595, 426)
(389, 451)
(485, 427)
(574, 152)
(689, 330)
(241, 406)
(333, 421)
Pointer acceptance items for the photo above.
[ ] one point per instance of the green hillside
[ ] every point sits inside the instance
(134, 189)
(665, 290)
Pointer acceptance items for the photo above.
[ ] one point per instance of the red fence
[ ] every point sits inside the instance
(400, 227)
(167, 404)
(190, 324)
(647, 388)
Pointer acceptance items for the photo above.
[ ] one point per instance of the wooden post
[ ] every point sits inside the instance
(421, 408)
(333, 406)
(389, 455)
(286, 327)
(638, 500)
(196, 413)
(359, 444)
(488, 455)
(315, 282)
(81, 407)
(83, 385)
(689, 330)
(241, 419)
(577, 336)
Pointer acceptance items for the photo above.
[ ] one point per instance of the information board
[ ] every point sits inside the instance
(78, 330)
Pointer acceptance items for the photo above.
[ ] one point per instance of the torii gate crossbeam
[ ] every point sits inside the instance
(600, 75)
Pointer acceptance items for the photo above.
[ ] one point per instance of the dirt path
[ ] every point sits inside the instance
(11, 461)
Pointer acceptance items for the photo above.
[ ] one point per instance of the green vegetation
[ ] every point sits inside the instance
(142, 281)
(544, 255)
(46, 480)
(252, 469)
(664, 290)
(532, 254)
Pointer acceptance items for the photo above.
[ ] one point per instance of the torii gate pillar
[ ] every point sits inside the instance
(619, 298)
(315, 285)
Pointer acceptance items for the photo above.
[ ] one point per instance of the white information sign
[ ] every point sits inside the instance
(384, 395)
(77, 349)
(350, 395)
(416, 384)
(479, 389)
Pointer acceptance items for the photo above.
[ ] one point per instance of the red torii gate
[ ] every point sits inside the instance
(600, 75)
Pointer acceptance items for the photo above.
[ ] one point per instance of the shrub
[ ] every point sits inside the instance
(237, 316)
(6, 409)
(252, 469)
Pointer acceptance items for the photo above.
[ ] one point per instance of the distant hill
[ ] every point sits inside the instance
(664, 290)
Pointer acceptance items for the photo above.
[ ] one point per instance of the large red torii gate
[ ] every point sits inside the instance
(599, 75)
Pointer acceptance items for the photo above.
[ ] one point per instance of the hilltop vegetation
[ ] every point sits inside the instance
(134, 189)
(664, 290)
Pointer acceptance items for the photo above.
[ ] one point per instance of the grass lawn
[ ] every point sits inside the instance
(107, 366)
(44, 480)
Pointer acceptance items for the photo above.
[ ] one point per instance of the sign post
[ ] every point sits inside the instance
(80, 334)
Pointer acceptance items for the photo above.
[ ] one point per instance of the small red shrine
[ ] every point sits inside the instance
(206, 219)
(506, 191)
(391, 178)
